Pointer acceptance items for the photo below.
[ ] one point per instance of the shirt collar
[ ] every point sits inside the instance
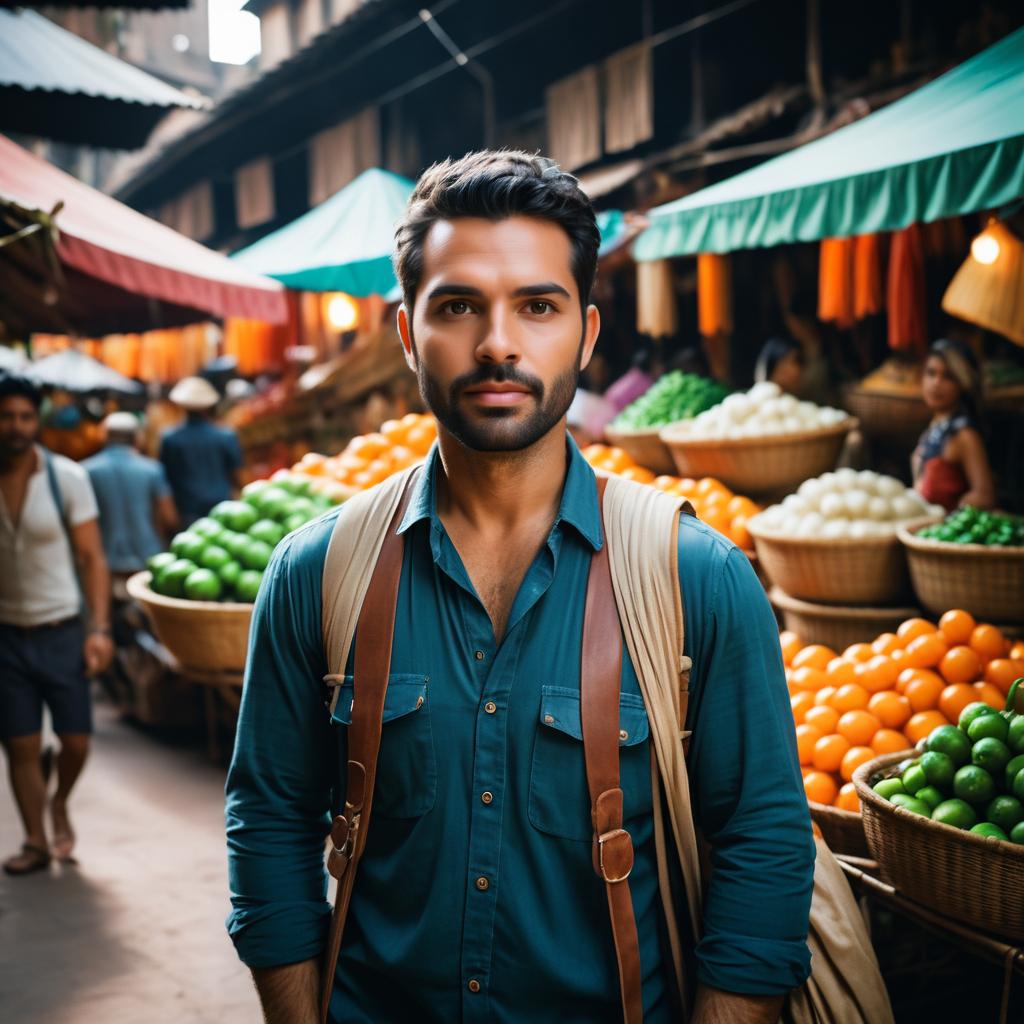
(578, 507)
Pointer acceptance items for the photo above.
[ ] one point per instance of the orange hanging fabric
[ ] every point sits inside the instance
(868, 295)
(714, 295)
(835, 281)
(908, 314)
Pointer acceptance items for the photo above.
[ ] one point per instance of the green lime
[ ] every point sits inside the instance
(976, 709)
(974, 784)
(912, 804)
(1018, 786)
(267, 531)
(951, 741)
(229, 573)
(214, 557)
(256, 554)
(986, 828)
(188, 545)
(293, 483)
(1015, 734)
(888, 788)
(235, 515)
(914, 779)
(1005, 811)
(301, 507)
(272, 502)
(203, 585)
(957, 813)
(938, 768)
(293, 522)
(172, 578)
(251, 492)
(161, 561)
(206, 527)
(991, 754)
(931, 796)
(248, 584)
(1017, 833)
(1015, 765)
(988, 727)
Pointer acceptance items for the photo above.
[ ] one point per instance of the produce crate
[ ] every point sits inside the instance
(203, 636)
(758, 466)
(887, 416)
(975, 879)
(843, 831)
(836, 626)
(644, 447)
(986, 581)
(867, 571)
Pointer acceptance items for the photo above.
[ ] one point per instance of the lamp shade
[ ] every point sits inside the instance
(988, 289)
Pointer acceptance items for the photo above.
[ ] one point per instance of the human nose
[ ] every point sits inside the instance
(500, 342)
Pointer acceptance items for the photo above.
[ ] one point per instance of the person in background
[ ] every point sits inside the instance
(781, 361)
(950, 464)
(203, 461)
(48, 646)
(137, 512)
(633, 383)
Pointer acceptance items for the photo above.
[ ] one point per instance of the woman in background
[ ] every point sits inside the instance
(950, 464)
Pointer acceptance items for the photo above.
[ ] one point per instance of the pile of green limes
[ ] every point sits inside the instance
(675, 396)
(969, 775)
(222, 556)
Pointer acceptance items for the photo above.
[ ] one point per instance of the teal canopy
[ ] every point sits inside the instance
(342, 245)
(954, 146)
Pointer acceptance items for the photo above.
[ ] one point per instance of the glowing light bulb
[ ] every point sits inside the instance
(985, 248)
(342, 312)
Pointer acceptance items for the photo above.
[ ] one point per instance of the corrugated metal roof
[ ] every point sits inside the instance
(36, 54)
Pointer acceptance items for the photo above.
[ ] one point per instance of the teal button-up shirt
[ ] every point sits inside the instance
(478, 863)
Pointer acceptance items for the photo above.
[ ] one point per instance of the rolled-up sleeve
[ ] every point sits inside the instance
(745, 779)
(279, 784)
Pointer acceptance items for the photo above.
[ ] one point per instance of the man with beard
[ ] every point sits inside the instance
(476, 898)
(48, 523)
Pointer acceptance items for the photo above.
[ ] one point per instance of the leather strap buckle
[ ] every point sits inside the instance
(343, 841)
(615, 855)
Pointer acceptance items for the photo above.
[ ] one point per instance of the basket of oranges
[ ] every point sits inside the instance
(645, 447)
(880, 698)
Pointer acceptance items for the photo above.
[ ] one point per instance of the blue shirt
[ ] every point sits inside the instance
(127, 486)
(201, 460)
(478, 862)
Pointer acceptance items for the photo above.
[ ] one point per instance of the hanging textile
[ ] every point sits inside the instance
(574, 119)
(340, 154)
(868, 294)
(714, 294)
(656, 312)
(835, 281)
(254, 193)
(908, 312)
(629, 99)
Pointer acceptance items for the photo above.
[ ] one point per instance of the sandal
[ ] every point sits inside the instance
(32, 858)
(63, 838)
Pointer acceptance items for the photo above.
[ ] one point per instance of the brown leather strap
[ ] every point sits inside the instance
(601, 667)
(374, 633)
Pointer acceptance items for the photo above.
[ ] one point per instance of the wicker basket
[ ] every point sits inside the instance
(843, 831)
(868, 571)
(974, 879)
(836, 626)
(887, 417)
(774, 464)
(645, 447)
(205, 636)
(986, 581)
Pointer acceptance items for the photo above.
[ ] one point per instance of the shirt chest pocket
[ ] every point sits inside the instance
(406, 784)
(559, 802)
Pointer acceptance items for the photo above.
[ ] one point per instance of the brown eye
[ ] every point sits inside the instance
(458, 307)
(540, 306)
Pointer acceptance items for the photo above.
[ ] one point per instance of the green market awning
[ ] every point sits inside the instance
(342, 245)
(954, 146)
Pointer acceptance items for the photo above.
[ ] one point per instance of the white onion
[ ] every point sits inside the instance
(856, 502)
(904, 507)
(868, 479)
(832, 506)
(836, 529)
(765, 390)
(811, 524)
(795, 503)
(878, 509)
(889, 487)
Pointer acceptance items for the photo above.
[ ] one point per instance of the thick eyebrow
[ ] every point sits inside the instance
(547, 288)
(527, 291)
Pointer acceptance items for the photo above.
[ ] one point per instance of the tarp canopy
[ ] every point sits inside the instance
(113, 262)
(57, 85)
(75, 371)
(342, 245)
(954, 146)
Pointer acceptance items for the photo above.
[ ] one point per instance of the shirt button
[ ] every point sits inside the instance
(479, 655)
(487, 797)
(483, 884)
(490, 707)
(474, 985)
(623, 735)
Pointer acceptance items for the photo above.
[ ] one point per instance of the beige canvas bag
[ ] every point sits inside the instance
(846, 986)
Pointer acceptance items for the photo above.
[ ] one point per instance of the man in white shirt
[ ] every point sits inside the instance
(48, 648)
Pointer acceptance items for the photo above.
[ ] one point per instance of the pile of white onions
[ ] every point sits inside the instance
(845, 504)
(760, 412)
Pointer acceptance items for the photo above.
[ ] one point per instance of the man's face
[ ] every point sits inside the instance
(497, 337)
(19, 425)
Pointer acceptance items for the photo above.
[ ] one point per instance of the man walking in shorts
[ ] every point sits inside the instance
(48, 523)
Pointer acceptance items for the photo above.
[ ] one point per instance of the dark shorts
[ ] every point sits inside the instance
(43, 666)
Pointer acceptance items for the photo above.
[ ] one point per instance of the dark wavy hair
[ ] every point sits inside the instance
(495, 185)
(14, 384)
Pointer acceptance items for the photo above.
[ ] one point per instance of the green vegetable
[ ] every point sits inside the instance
(970, 525)
(676, 396)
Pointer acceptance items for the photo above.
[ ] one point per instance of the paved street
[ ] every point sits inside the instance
(134, 934)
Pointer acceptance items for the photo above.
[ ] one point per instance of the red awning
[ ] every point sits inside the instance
(105, 243)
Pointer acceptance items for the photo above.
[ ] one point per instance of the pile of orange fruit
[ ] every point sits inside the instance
(886, 696)
(370, 458)
(713, 502)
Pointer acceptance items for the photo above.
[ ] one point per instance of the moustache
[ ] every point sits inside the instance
(502, 374)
